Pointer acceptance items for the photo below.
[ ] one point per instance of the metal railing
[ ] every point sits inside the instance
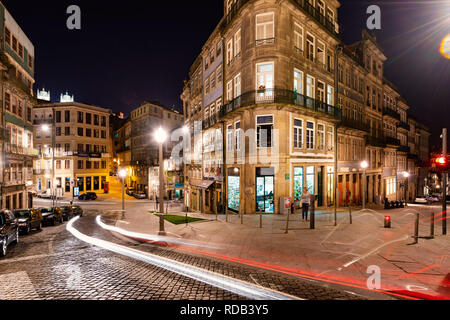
(283, 97)
(404, 125)
(391, 113)
(405, 149)
(392, 141)
(20, 150)
(261, 42)
(354, 124)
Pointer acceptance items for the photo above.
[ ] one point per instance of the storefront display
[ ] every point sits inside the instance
(234, 195)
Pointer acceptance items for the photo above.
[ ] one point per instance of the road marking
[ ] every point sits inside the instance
(17, 286)
(374, 251)
(229, 284)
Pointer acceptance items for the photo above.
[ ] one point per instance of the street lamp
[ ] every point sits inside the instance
(123, 174)
(364, 165)
(160, 136)
(46, 128)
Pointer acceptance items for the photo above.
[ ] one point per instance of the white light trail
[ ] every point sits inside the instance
(148, 237)
(219, 281)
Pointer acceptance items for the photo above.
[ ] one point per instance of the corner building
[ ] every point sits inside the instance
(299, 109)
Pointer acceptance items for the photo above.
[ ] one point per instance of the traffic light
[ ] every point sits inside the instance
(441, 163)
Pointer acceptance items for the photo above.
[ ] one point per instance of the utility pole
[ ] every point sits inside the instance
(445, 176)
(54, 192)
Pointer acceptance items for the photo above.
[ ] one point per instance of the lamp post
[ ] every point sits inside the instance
(46, 128)
(406, 185)
(364, 165)
(123, 174)
(160, 136)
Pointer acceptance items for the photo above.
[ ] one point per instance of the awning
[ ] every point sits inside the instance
(205, 184)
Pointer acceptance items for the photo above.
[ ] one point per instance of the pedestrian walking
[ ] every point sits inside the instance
(306, 202)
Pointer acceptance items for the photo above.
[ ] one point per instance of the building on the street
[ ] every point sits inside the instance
(16, 82)
(297, 106)
(143, 122)
(82, 149)
(122, 146)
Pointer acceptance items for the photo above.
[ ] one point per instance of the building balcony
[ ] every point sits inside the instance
(280, 96)
(405, 149)
(354, 124)
(404, 125)
(42, 172)
(392, 141)
(391, 113)
(209, 122)
(304, 5)
(376, 141)
(12, 149)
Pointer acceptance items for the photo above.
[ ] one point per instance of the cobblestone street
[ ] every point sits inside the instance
(53, 265)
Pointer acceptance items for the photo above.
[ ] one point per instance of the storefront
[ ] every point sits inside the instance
(234, 189)
(265, 190)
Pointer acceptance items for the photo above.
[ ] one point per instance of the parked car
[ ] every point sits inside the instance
(44, 195)
(77, 211)
(9, 231)
(67, 213)
(421, 200)
(130, 192)
(52, 215)
(432, 199)
(88, 196)
(140, 196)
(28, 220)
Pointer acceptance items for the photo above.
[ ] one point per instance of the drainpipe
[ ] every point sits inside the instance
(224, 154)
(336, 102)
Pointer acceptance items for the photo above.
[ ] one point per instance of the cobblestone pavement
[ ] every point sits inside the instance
(53, 265)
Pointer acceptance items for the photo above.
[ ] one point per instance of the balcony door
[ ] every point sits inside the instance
(265, 82)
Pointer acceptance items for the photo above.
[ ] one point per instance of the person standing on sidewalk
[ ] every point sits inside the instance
(306, 202)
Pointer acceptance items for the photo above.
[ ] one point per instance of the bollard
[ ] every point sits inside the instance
(312, 224)
(287, 223)
(260, 219)
(351, 218)
(432, 226)
(242, 218)
(226, 215)
(416, 229)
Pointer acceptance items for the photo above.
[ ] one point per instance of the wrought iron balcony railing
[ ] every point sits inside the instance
(20, 150)
(392, 141)
(391, 113)
(354, 124)
(280, 96)
(405, 149)
(404, 125)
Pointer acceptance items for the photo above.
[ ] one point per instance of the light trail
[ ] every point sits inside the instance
(238, 287)
(148, 237)
(299, 273)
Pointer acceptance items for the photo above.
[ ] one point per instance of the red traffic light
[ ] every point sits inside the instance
(387, 218)
(441, 161)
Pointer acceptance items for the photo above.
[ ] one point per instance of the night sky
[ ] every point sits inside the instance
(135, 50)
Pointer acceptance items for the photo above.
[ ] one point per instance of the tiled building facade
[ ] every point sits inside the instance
(285, 105)
(16, 84)
(82, 150)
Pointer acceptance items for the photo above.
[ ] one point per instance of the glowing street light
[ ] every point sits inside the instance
(364, 166)
(406, 187)
(161, 136)
(445, 47)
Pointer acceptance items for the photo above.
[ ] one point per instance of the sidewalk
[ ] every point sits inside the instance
(341, 254)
